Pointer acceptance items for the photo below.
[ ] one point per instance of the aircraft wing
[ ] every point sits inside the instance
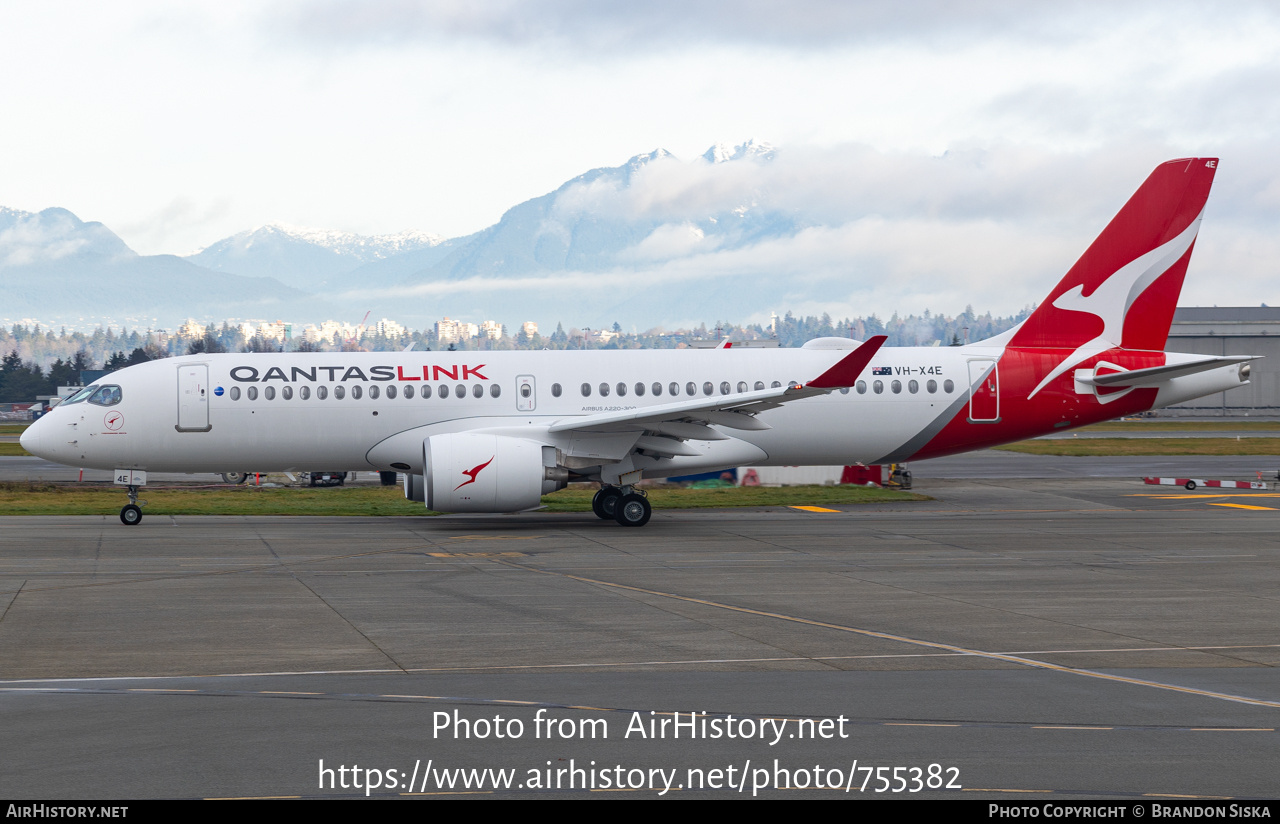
(690, 420)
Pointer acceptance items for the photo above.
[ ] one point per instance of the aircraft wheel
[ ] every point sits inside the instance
(235, 477)
(1190, 485)
(633, 510)
(605, 502)
(131, 515)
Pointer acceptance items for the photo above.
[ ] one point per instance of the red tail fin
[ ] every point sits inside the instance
(1124, 288)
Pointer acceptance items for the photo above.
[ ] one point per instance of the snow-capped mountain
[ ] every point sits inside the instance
(305, 258)
(55, 235)
(723, 152)
(626, 242)
(59, 268)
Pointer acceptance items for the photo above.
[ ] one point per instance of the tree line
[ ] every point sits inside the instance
(39, 360)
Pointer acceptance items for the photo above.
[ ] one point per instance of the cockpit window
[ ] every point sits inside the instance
(81, 395)
(108, 395)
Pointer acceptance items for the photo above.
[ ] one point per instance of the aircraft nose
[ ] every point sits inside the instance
(35, 438)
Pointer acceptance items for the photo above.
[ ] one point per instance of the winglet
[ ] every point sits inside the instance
(846, 372)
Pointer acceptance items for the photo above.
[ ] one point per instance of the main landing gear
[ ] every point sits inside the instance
(131, 514)
(622, 504)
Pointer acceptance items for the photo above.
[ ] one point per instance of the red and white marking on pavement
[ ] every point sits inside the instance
(1192, 483)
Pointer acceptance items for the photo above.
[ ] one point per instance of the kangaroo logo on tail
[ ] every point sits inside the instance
(1123, 290)
(1111, 301)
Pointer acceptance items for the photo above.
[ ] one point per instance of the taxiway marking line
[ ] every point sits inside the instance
(673, 662)
(903, 639)
(1244, 506)
(813, 509)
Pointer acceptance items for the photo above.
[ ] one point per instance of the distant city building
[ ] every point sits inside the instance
(491, 329)
(191, 329)
(328, 329)
(454, 330)
(278, 331)
(389, 328)
(529, 328)
(599, 335)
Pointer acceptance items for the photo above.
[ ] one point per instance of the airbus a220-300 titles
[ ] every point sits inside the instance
(494, 431)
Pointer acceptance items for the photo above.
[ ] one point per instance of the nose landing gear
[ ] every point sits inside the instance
(131, 514)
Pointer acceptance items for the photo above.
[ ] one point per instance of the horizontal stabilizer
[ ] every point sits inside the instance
(1160, 374)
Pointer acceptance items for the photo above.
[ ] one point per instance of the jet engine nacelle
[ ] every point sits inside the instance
(475, 472)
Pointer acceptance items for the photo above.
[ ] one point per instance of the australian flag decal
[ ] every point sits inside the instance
(882, 370)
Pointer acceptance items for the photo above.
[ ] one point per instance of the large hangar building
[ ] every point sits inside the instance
(1232, 330)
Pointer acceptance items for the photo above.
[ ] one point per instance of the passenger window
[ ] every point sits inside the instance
(426, 391)
(725, 388)
(252, 393)
(555, 390)
(357, 391)
(913, 387)
(844, 390)
(269, 393)
(948, 386)
(287, 393)
(339, 392)
(373, 393)
(322, 392)
(657, 388)
(586, 390)
(444, 392)
(673, 388)
(460, 391)
(861, 387)
(792, 384)
(495, 390)
(759, 385)
(896, 386)
(477, 391)
(622, 389)
(391, 391)
(408, 391)
(932, 386)
(691, 388)
(708, 387)
(639, 389)
(304, 392)
(235, 393)
(742, 386)
(775, 385)
(878, 387)
(604, 390)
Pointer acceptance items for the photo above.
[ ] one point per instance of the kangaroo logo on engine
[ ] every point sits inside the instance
(472, 473)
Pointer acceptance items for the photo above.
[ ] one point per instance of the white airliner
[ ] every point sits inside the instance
(494, 431)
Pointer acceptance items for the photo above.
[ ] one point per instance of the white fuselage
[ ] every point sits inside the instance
(237, 433)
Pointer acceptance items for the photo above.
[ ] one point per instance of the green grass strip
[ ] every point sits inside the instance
(1084, 447)
(37, 498)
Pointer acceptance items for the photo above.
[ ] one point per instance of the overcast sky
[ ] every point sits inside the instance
(179, 124)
